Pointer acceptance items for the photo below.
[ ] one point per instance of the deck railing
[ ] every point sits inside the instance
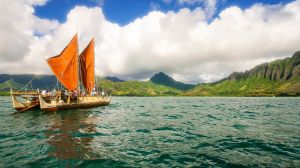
(32, 92)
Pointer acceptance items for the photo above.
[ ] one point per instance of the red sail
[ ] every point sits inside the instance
(65, 65)
(87, 67)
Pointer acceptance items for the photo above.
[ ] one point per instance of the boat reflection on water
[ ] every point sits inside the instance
(71, 135)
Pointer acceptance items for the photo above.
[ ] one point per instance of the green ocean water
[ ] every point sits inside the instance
(155, 132)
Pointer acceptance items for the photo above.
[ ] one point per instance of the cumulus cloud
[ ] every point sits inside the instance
(209, 6)
(183, 44)
(35, 2)
(17, 28)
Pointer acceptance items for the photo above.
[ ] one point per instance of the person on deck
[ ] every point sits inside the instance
(83, 93)
(66, 93)
(54, 92)
(44, 92)
(94, 91)
(57, 95)
(75, 93)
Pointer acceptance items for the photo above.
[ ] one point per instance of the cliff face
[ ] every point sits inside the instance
(279, 70)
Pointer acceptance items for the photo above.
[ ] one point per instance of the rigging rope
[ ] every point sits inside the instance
(57, 85)
(25, 87)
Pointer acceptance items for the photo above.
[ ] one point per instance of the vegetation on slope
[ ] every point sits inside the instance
(5, 86)
(251, 86)
(278, 70)
(137, 88)
(37, 81)
(277, 78)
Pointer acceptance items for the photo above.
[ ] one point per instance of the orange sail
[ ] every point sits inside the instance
(87, 67)
(65, 65)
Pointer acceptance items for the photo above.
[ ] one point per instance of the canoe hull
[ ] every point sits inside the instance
(24, 101)
(31, 107)
(82, 102)
(30, 101)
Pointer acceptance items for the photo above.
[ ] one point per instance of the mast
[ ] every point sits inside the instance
(95, 78)
(78, 64)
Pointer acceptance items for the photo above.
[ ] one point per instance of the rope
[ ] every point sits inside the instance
(80, 73)
(57, 85)
(25, 87)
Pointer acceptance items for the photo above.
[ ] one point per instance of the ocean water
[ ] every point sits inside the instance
(155, 132)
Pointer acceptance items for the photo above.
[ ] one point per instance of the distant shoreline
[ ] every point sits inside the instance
(291, 95)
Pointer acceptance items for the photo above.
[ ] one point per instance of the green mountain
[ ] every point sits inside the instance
(138, 88)
(279, 70)
(163, 79)
(251, 86)
(19, 81)
(276, 78)
(113, 79)
(5, 86)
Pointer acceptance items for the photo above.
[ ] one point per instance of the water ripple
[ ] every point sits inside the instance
(155, 132)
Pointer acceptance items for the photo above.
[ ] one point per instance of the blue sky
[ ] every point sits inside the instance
(125, 11)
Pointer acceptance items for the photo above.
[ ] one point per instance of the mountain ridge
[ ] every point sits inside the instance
(278, 70)
(276, 78)
(113, 79)
(163, 79)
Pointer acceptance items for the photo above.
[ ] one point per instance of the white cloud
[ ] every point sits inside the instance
(209, 6)
(35, 2)
(17, 41)
(182, 44)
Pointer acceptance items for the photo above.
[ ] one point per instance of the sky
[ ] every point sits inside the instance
(193, 41)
